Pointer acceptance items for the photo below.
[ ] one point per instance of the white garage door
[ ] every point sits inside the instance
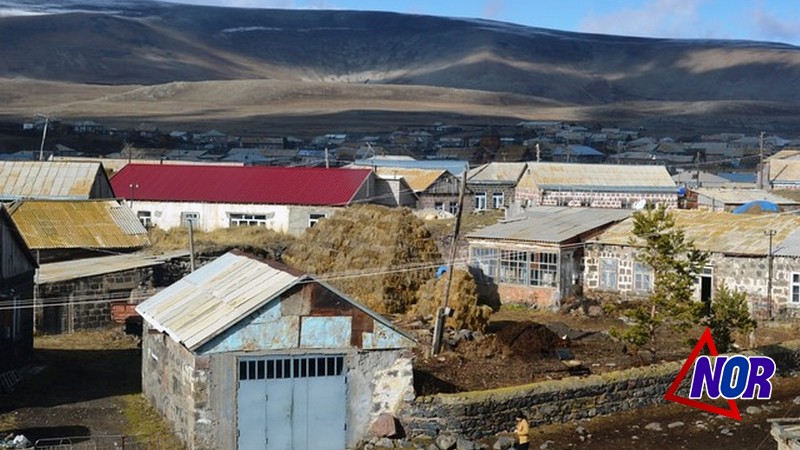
(292, 403)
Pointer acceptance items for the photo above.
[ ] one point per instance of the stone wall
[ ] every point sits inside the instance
(625, 200)
(85, 303)
(480, 414)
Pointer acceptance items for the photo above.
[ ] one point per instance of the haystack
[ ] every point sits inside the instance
(259, 241)
(463, 299)
(379, 256)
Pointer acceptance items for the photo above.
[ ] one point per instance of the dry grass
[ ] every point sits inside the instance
(387, 252)
(257, 240)
(463, 298)
(145, 423)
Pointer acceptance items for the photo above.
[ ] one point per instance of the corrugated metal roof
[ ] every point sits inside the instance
(494, 172)
(88, 267)
(46, 179)
(601, 177)
(720, 232)
(418, 179)
(207, 302)
(741, 196)
(456, 167)
(234, 184)
(551, 224)
(91, 224)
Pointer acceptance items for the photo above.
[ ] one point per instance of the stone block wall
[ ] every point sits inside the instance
(480, 414)
(624, 200)
(85, 303)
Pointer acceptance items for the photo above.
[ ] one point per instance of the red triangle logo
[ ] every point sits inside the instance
(705, 339)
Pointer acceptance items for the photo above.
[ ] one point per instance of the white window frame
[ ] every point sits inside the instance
(794, 292)
(642, 277)
(608, 270)
(486, 260)
(438, 206)
(246, 219)
(452, 207)
(145, 217)
(498, 199)
(480, 201)
(313, 218)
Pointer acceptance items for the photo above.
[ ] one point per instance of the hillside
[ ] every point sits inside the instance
(582, 76)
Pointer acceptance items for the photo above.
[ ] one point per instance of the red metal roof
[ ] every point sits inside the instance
(237, 184)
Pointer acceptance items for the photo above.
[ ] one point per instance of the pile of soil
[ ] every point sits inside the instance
(530, 341)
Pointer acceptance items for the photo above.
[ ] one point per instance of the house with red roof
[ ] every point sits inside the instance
(288, 199)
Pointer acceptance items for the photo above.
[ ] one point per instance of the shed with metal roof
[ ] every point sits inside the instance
(69, 229)
(260, 336)
(53, 180)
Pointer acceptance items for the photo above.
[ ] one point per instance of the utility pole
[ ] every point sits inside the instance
(443, 311)
(760, 176)
(44, 135)
(697, 168)
(769, 233)
(190, 223)
(538, 152)
(326, 158)
(133, 187)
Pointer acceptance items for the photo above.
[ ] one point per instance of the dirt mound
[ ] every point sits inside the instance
(529, 340)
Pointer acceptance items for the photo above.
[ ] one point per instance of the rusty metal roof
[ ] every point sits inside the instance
(209, 301)
(721, 232)
(600, 177)
(733, 196)
(47, 179)
(89, 224)
(784, 171)
(551, 224)
(418, 179)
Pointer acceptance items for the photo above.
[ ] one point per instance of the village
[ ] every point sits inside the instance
(342, 238)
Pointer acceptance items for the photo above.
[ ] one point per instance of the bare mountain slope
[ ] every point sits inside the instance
(149, 43)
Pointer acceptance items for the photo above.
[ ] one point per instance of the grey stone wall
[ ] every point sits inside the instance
(480, 414)
(170, 381)
(84, 303)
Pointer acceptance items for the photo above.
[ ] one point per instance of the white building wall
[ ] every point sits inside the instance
(166, 215)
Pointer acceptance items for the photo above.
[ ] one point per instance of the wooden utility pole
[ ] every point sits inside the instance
(760, 177)
(190, 222)
(442, 312)
(769, 233)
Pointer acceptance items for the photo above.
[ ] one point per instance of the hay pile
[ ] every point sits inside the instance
(379, 256)
(259, 241)
(463, 299)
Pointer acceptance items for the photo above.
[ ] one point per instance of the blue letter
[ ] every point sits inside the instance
(762, 369)
(735, 374)
(704, 375)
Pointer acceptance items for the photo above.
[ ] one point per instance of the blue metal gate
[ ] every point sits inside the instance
(292, 403)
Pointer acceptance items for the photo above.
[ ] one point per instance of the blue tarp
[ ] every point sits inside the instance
(757, 206)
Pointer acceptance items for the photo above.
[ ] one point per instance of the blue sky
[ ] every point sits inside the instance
(763, 20)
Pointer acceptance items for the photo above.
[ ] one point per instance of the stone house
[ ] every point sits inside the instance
(493, 185)
(245, 351)
(537, 258)
(726, 199)
(742, 248)
(595, 185)
(433, 188)
(17, 268)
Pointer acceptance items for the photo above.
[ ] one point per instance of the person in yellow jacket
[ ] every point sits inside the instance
(521, 430)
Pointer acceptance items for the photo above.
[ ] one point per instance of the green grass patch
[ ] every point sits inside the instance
(144, 422)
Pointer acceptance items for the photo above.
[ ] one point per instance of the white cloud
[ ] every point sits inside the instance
(279, 4)
(654, 18)
(769, 27)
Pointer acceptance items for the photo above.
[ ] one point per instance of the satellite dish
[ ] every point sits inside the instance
(640, 204)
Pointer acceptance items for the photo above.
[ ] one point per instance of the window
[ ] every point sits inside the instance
(795, 289)
(485, 260)
(497, 200)
(642, 278)
(314, 218)
(453, 208)
(480, 201)
(543, 269)
(608, 273)
(513, 267)
(439, 206)
(146, 217)
(243, 220)
(187, 216)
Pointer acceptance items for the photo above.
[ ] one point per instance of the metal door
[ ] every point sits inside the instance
(292, 403)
